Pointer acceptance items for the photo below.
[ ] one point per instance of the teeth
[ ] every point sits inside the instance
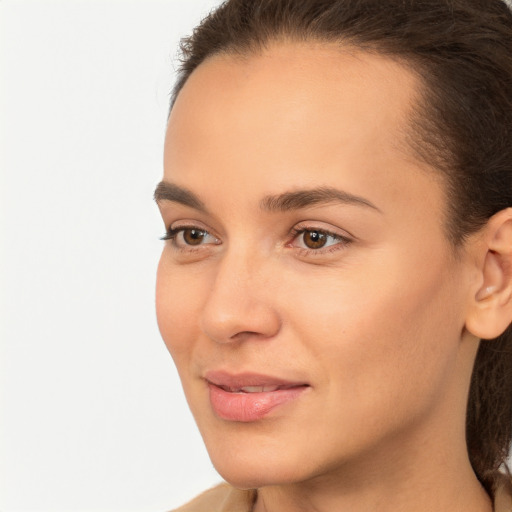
(258, 389)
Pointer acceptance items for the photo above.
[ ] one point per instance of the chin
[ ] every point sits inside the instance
(259, 461)
(246, 475)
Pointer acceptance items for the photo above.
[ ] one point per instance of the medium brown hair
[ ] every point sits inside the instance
(462, 126)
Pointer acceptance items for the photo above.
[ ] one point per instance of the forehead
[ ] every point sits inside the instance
(291, 90)
(296, 116)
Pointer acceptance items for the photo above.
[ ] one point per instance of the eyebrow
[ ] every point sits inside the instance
(299, 199)
(287, 201)
(166, 191)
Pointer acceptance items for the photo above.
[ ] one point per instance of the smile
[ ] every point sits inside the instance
(249, 397)
(254, 389)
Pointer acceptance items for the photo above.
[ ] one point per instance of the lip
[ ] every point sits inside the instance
(230, 401)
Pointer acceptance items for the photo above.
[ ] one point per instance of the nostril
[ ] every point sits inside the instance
(239, 336)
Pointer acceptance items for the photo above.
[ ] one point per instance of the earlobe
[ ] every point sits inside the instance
(490, 312)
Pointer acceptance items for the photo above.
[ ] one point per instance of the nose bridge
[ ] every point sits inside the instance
(239, 302)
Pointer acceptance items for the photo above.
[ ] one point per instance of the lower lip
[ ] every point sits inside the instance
(248, 407)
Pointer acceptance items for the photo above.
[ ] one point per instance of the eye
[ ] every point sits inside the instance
(184, 237)
(315, 240)
(191, 236)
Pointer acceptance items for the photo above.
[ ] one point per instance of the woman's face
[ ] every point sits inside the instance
(308, 265)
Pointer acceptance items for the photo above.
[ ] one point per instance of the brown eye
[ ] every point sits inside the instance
(193, 236)
(314, 239)
(318, 241)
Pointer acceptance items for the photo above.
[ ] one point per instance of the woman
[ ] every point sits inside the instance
(337, 196)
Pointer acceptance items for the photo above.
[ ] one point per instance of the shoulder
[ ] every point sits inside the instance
(222, 498)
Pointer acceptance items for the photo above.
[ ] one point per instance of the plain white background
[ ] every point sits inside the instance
(91, 410)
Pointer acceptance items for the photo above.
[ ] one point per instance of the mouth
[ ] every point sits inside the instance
(255, 389)
(249, 397)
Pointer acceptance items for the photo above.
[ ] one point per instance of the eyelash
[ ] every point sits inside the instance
(172, 233)
(342, 241)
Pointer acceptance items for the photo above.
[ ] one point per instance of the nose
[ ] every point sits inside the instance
(239, 305)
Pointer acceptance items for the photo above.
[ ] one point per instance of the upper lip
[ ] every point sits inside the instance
(234, 381)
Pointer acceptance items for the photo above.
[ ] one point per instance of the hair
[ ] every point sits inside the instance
(462, 126)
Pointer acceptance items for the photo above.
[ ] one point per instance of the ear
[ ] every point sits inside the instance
(490, 311)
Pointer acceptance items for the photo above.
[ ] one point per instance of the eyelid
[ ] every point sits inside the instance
(176, 228)
(343, 239)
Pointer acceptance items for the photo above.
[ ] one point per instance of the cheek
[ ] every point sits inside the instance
(378, 329)
(177, 305)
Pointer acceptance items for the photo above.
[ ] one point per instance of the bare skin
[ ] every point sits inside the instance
(380, 319)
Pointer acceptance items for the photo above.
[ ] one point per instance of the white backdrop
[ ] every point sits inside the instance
(92, 413)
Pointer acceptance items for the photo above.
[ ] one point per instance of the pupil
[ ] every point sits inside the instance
(314, 239)
(193, 236)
